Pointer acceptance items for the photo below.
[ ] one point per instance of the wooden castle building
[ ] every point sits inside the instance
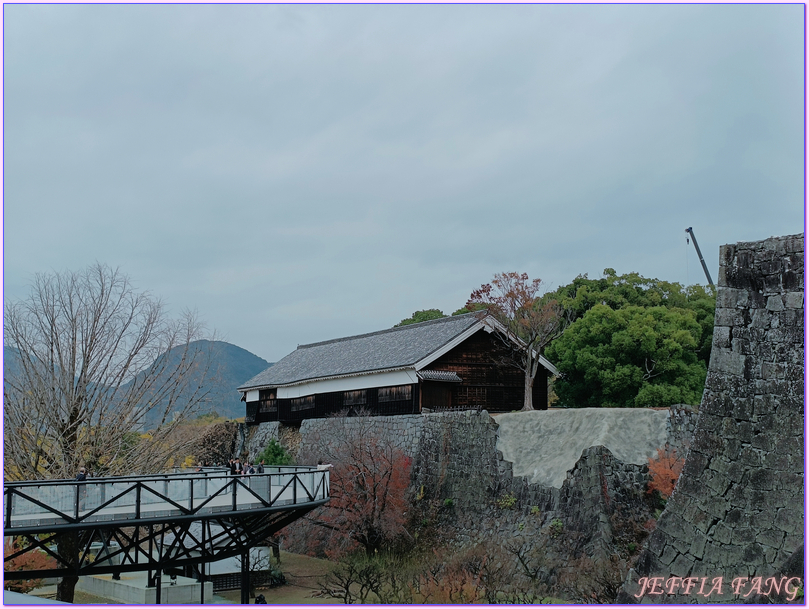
(457, 362)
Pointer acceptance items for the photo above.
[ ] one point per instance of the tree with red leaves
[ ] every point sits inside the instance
(664, 470)
(529, 321)
(369, 482)
(29, 561)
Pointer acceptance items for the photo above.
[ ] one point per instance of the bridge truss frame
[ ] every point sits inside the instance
(190, 535)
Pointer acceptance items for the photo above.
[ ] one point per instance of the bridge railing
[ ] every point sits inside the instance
(57, 502)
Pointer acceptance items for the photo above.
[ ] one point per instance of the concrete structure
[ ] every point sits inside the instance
(460, 457)
(125, 498)
(16, 598)
(132, 589)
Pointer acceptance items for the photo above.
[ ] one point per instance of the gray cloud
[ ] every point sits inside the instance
(298, 173)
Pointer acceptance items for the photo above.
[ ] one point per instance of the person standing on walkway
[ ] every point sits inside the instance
(81, 489)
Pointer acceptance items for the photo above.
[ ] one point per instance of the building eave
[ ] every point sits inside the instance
(332, 377)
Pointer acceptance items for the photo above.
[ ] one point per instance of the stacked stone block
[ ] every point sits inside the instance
(737, 511)
(455, 458)
(260, 437)
(680, 427)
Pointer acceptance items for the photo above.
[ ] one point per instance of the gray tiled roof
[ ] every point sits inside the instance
(388, 349)
(439, 375)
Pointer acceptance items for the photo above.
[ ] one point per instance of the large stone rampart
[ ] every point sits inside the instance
(738, 508)
(456, 462)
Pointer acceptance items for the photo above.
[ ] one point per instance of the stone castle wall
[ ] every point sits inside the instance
(737, 511)
(456, 462)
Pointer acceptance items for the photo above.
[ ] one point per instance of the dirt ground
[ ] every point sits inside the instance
(302, 575)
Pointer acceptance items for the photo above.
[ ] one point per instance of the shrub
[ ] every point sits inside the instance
(556, 527)
(31, 560)
(507, 501)
(274, 454)
(664, 471)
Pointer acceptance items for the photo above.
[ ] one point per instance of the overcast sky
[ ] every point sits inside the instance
(301, 173)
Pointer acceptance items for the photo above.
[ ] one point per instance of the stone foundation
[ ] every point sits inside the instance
(738, 509)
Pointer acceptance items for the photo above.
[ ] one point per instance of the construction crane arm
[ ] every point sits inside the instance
(699, 253)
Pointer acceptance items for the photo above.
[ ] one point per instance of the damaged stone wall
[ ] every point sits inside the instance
(462, 480)
(738, 508)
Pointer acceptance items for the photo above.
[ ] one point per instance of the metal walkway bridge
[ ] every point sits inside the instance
(151, 523)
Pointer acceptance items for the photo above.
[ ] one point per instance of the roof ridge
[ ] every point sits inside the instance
(388, 330)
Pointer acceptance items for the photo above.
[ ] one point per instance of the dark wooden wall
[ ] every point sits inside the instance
(327, 404)
(489, 379)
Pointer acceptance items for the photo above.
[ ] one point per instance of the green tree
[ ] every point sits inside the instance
(419, 316)
(631, 289)
(274, 454)
(631, 357)
(470, 308)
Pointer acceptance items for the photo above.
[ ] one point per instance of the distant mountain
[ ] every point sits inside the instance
(11, 359)
(235, 367)
(231, 367)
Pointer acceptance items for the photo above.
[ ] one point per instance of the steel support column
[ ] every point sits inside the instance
(202, 566)
(246, 577)
(154, 532)
(158, 585)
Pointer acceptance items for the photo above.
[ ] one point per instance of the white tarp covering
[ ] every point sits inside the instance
(544, 444)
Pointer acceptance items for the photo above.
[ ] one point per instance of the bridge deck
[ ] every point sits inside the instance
(107, 501)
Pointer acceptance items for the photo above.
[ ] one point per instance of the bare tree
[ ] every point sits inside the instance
(99, 377)
(529, 321)
(95, 364)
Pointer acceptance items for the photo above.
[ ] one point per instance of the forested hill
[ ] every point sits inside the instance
(235, 366)
(9, 360)
(231, 366)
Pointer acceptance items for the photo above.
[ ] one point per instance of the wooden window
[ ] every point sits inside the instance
(355, 398)
(304, 403)
(267, 406)
(266, 401)
(399, 393)
(475, 396)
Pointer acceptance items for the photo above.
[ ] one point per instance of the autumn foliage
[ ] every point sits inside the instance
(664, 471)
(368, 493)
(369, 484)
(29, 561)
(527, 318)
